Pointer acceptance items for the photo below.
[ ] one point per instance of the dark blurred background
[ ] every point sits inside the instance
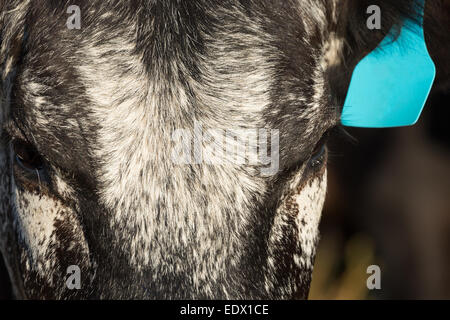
(389, 198)
(388, 204)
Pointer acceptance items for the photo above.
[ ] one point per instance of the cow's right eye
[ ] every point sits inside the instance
(319, 152)
(26, 156)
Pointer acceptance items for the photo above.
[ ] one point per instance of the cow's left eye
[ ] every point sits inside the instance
(27, 156)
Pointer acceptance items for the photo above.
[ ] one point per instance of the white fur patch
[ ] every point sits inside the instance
(305, 208)
(310, 203)
(332, 51)
(36, 216)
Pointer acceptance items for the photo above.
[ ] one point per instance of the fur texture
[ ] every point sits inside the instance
(100, 105)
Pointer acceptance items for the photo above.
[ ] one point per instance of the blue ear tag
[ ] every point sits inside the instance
(390, 86)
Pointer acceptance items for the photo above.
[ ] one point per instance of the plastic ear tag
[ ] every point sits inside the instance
(390, 86)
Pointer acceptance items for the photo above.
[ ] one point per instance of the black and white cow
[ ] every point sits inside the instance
(88, 115)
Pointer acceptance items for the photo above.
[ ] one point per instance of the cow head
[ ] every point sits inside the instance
(88, 116)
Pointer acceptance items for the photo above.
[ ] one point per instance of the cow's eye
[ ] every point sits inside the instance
(27, 156)
(317, 157)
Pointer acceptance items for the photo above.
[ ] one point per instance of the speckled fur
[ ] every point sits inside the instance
(100, 105)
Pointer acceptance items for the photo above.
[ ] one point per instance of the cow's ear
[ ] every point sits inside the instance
(437, 19)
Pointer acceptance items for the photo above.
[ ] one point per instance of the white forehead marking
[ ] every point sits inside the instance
(149, 196)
